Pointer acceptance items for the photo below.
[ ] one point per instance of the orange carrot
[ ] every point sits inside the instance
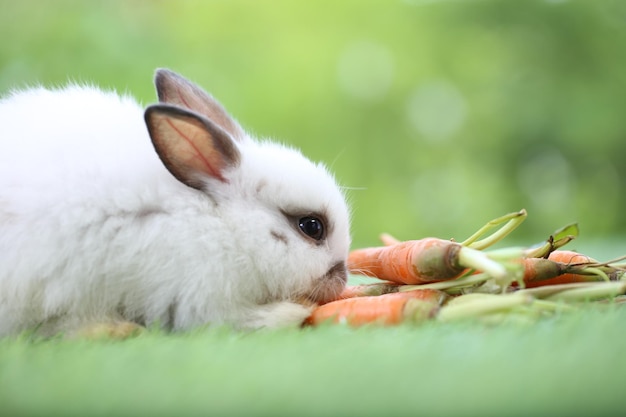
(570, 257)
(410, 262)
(387, 309)
(551, 271)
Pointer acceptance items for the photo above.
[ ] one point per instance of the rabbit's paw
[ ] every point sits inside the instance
(117, 330)
(279, 314)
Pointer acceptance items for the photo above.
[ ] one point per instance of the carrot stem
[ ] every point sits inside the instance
(592, 292)
(548, 290)
(513, 220)
(594, 271)
(481, 306)
(556, 240)
(547, 305)
(465, 281)
(475, 259)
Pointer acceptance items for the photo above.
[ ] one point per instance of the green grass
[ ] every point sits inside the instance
(572, 364)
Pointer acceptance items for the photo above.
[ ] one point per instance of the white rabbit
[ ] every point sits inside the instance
(212, 228)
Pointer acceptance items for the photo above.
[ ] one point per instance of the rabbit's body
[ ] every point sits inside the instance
(95, 228)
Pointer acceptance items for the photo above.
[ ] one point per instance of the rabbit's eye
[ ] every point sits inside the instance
(312, 227)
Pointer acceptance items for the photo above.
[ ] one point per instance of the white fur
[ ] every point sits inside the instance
(93, 227)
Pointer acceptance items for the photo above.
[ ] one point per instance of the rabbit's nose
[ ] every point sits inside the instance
(338, 272)
(328, 287)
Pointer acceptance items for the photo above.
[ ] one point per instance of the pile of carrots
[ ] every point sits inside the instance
(437, 279)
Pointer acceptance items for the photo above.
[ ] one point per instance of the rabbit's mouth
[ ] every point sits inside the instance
(328, 287)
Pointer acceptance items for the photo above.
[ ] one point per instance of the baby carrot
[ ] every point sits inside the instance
(552, 271)
(392, 308)
(420, 261)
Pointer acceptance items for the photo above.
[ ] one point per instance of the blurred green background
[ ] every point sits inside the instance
(439, 115)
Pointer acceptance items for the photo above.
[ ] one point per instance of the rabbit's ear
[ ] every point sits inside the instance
(190, 146)
(177, 90)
